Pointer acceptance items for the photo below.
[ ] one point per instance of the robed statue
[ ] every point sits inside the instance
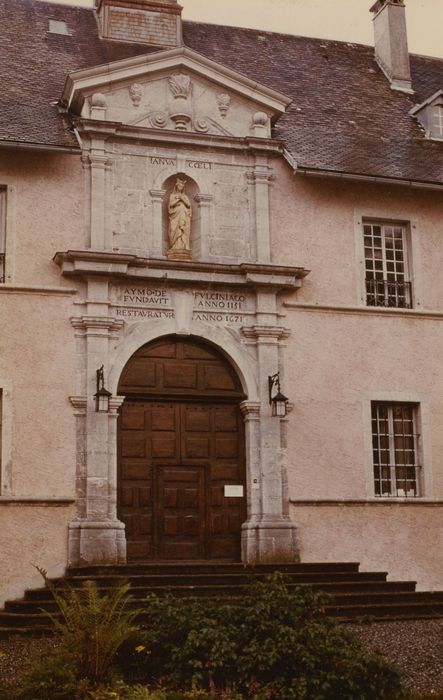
(180, 213)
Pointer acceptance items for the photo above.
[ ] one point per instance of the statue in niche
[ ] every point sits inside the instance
(180, 214)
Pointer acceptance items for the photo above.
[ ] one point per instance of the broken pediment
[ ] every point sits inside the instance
(176, 90)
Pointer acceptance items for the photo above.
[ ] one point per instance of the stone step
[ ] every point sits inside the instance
(388, 610)
(394, 594)
(150, 580)
(330, 587)
(174, 569)
(353, 593)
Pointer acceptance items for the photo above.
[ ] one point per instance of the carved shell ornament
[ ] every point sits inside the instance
(136, 93)
(180, 85)
(223, 101)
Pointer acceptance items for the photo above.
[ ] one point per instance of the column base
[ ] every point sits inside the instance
(270, 541)
(96, 542)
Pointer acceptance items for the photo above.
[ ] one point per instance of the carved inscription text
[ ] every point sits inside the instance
(145, 296)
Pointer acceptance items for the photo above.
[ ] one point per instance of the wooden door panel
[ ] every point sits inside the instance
(226, 473)
(196, 448)
(217, 378)
(145, 496)
(226, 448)
(180, 513)
(133, 418)
(133, 470)
(134, 446)
(164, 447)
(226, 419)
(163, 418)
(197, 419)
(127, 496)
(180, 376)
(141, 373)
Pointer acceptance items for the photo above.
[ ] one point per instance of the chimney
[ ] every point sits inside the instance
(151, 22)
(391, 43)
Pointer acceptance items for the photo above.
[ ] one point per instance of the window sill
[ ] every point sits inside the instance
(373, 501)
(363, 310)
(35, 501)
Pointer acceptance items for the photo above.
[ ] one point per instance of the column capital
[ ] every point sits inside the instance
(79, 403)
(266, 333)
(114, 404)
(96, 323)
(250, 410)
(259, 176)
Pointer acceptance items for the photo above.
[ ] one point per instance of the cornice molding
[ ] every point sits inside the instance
(85, 263)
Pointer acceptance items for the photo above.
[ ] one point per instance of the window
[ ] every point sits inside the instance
(58, 27)
(2, 233)
(386, 265)
(394, 448)
(436, 125)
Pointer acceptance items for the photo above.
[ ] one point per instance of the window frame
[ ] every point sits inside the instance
(424, 425)
(388, 287)
(393, 215)
(435, 132)
(386, 442)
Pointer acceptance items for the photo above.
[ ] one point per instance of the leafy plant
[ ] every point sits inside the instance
(90, 629)
(92, 626)
(274, 643)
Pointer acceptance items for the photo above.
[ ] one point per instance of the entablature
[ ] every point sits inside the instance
(95, 134)
(88, 263)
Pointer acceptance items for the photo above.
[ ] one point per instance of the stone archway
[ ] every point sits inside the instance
(180, 444)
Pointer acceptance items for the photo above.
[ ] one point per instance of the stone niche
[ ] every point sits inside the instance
(219, 191)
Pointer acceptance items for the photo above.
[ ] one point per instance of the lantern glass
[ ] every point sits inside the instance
(279, 402)
(102, 400)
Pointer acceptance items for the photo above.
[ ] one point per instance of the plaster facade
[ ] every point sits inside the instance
(275, 283)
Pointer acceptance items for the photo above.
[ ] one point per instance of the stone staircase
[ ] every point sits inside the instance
(353, 594)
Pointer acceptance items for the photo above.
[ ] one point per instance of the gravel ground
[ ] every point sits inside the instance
(415, 646)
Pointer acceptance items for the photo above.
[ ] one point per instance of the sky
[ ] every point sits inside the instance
(345, 20)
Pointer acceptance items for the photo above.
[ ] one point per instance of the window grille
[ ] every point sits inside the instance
(386, 265)
(395, 450)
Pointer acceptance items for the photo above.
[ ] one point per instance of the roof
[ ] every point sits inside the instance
(344, 116)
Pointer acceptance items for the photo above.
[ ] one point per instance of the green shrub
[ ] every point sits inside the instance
(271, 644)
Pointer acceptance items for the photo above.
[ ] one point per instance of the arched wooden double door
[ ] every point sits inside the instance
(180, 444)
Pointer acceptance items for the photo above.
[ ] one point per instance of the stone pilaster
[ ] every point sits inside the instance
(203, 225)
(261, 178)
(79, 404)
(97, 164)
(268, 535)
(156, 243)
(96, 536)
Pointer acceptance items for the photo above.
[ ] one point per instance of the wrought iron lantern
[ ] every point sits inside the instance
(277, 400)
(102, 395)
